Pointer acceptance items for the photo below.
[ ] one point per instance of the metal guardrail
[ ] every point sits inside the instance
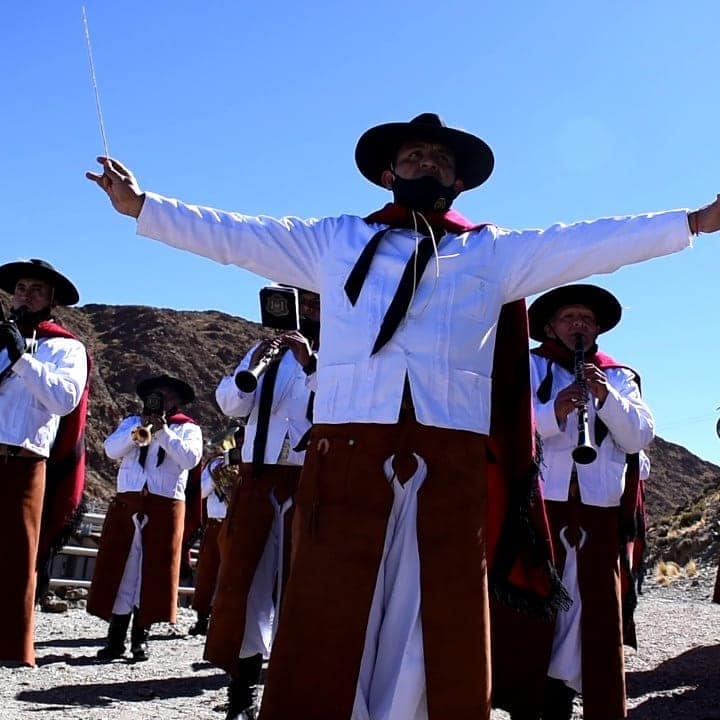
(78, 550)
(91, 520)
(82, 551)
(69, 582)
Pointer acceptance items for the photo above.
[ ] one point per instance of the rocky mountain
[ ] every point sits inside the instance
(678, 478)
(129, 342)
(683, 501)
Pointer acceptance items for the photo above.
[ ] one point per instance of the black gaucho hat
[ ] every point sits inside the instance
(604, 305)
(148, 385)
(377, 148)
(65, 292)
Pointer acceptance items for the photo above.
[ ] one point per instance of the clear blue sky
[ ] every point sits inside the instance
(592, 109)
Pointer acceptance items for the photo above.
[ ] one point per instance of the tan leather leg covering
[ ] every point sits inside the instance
(23, 482)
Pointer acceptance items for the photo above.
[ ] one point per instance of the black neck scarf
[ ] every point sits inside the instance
(398, 216)
(264, 411)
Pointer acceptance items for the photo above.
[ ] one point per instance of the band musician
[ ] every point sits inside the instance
(219, 477)
(138, 562)
(44, 372)
(255, 542)
(593, 424)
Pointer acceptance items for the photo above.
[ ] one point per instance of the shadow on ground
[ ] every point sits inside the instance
(100, 641)
(68, 642)
(104, 694)
(686, 687)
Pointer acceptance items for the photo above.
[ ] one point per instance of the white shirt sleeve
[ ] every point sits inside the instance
(57, 384)
(230, 399)
(287, 250)
(533, 260)
(545, 419)
(626, 415)
(119, 443)
(183, 443)
(207, 484)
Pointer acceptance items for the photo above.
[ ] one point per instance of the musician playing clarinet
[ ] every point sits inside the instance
(593, 425)
(255, 553)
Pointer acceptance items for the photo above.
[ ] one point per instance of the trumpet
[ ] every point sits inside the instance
(583, 453)
(247, 380)
(141, 435)
(225, 475)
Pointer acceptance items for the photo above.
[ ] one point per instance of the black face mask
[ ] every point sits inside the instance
(425, 194)
(27, 320)
(310, 329)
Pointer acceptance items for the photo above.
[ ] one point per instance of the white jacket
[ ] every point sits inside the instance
(43, 386)
(630, 426)
(216, 508)
(183, 447)
(288, 415)
(445, 346)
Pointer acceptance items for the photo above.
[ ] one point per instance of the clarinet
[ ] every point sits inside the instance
(583, 453)
(247, 380)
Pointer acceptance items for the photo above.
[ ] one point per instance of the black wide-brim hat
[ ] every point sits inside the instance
(604, 305)
(148, 385)
(65, 292)
(377, 148)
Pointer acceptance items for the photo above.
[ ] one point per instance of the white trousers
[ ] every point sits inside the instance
(391, 685)
(566, 657)
(265, 593)
(128, 594)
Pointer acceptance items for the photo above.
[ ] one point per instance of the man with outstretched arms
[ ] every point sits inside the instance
(414, 432)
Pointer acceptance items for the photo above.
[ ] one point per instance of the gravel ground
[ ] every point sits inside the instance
(675, 674)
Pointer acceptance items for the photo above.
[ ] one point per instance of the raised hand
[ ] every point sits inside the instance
(157, 421)
(120, 185)
(706, 219)
(299, 346)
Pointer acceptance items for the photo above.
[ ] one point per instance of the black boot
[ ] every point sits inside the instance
(201, 626)
(558, 702)
(243, 691)
(115, 643)
(139, 641)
